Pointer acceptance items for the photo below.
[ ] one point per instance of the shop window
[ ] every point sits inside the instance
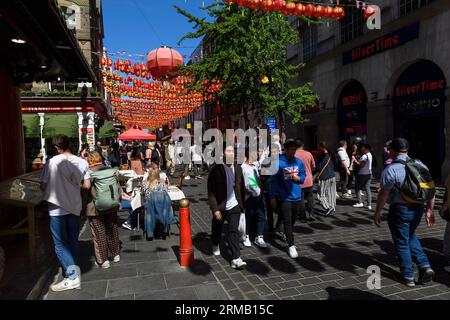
(309, 42)
(407, 6)
(352, 24)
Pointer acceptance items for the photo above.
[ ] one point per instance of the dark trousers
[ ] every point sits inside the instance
(307, 194)
(343, 181)
(254, 207)
(233, 217)
(289, 210)
(269, 210)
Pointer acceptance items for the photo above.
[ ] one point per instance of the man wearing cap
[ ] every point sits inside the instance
(403, 217)
(285, 186)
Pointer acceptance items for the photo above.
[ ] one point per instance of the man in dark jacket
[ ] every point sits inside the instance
(226, 200)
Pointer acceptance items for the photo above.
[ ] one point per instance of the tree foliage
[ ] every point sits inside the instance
(247, 46)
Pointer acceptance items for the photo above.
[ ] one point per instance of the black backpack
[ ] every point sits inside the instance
(418, 186)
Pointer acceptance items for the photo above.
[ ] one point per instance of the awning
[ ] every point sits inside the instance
(66, 124)
(136, 134)
(49, 42)
(31, 127)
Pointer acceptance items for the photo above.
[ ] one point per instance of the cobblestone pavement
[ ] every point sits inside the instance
(335, 253)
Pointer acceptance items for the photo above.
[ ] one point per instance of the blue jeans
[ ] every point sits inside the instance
(255, 206)
(65, 231)
(403, 222)
(132, 218)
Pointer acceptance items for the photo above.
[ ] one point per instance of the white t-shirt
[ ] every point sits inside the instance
(343, 156)
(196, 153)
(64, 175)
(367, 169)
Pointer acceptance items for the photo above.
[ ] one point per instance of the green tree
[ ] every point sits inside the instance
(248, 46)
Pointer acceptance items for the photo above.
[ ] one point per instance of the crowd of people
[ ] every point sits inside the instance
(238, 192)
(241, 195)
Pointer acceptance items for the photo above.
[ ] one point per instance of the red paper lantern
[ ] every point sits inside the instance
(291, 8)
(328, 12)
(319, 11)
(163, 62)
(267, 5)
(299, 9)
(309, 10)
(339, 12)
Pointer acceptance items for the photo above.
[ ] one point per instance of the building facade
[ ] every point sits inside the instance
(379, 84)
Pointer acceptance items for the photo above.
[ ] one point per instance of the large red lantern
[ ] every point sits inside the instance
(163, 62)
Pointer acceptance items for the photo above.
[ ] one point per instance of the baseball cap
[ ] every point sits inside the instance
(399, 145)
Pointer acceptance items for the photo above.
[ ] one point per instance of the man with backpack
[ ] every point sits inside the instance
(407, 186)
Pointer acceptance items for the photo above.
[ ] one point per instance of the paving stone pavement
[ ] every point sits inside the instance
(335, 253)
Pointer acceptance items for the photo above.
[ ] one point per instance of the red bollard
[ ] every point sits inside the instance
(186, 251)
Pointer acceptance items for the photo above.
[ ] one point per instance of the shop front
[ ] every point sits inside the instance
(352, 112)
(419, 113)
(44, 120)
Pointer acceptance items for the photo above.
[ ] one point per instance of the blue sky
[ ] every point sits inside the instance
(127, 29)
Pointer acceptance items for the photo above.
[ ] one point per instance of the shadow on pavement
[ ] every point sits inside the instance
(351, 294)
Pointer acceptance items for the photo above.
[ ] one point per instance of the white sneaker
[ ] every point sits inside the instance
(293, 252)
(67, 284)
(187, 178)
(361, 193)
(104, 265)
(247, 242)
(369, 207)
(216, 250)
(116, 258)
(259, 241)
(349, 192)
(358, 205)
(238, 263)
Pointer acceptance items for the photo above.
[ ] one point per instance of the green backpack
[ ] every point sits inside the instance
(106, 186)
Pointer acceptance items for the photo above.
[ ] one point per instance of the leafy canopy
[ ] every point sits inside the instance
(248, 46)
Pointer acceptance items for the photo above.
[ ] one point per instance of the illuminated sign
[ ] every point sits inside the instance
(389, 41)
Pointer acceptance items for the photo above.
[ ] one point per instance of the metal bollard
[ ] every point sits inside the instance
(186, 251)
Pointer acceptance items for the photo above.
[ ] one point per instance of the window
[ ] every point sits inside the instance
(407, 6)
(352, 24)
(309, 42)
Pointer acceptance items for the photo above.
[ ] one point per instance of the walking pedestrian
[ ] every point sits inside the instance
(197, 159)
(136, 159)
(226, 200)
(254, 204)
(102, 211)
(285, 186)
(61, 182)
(307, 187)
(364, 177)
(404, 216)
(326, 178)
(343, 161)
(171, 158)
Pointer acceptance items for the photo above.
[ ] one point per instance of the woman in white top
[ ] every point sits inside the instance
(364, 177)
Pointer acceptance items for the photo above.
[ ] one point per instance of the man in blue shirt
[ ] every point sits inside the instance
(403, 217)
(285, 186)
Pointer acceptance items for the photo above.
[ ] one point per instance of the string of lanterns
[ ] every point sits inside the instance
(151, 104)
(292, 8)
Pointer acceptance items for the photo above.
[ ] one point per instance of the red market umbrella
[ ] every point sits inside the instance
(136, 134)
